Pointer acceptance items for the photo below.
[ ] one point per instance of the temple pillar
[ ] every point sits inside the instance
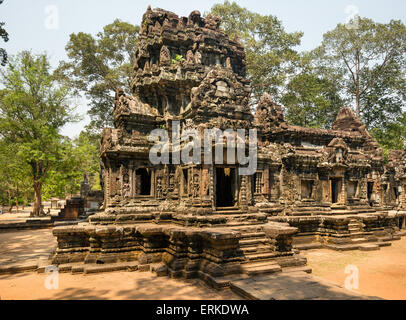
(265, 186)
(403, 195)
(244, 204)
(153, 182)
(212, 187)
(132, 180)
(343, 198)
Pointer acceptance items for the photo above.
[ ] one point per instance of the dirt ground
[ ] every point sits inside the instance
(114, 285)
(26, 245)
(14, 217)
(381, 273)
(22, 246)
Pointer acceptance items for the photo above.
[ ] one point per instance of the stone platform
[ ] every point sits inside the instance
(266, 279)
(225, 243)
(187, 252)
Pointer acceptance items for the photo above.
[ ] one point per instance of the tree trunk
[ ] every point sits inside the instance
(10, 206)
(358, 103)
(37, 198)
(357, 86)
(17, 199)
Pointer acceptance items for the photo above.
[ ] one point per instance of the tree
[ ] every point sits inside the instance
(393, 136)
(33, 108)
(357, 58)
(382, 103)
(311, 101)
(80, 156)
(15, 185)
(4, 36)
(270, 53)
(98, 65)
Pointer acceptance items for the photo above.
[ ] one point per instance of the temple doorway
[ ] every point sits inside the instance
(225, 187)
(143, 184)
(401, 223)
(335, 189)
(370, 191)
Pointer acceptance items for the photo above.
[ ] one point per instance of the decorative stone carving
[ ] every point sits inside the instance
(164, 56)
(157, 27)
(126, 185)
(212, 22)
(181, 25)
(269, 115)
(146, 67)
(190, 58)
(198, 58)
(228, 63)
(194, 18)
(196, 185)
(159, 187)
(338, 151)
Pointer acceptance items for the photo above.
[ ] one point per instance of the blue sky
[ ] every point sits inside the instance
(31, 24)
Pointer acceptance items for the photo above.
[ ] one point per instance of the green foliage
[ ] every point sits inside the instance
(15, 179)
(98, 65)
(270, 53)
(33, 108)
(392, 136)
(368, 62)
(4, 36)
(311, 101)
(178, 58)
(80, 156)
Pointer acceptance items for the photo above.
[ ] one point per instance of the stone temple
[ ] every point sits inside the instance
(312, 188)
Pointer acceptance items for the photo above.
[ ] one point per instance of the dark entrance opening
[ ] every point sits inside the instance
(185, 182)
(335, 190)
(396, 191)
(225, 187)
(401, 223)
(369, 192)
(143, 182)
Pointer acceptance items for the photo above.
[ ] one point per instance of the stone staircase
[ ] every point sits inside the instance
(355, 228)
(340, 210)
(357, 235)
(261, 258)
(307, 210)
(235, 217)
(361, 209)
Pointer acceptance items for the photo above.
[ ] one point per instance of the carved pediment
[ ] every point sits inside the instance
(131, 105)
(269, 115)
(337, 151)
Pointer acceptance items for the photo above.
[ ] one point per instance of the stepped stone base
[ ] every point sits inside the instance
(177, 251)
(229, 244)
(344, 232)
